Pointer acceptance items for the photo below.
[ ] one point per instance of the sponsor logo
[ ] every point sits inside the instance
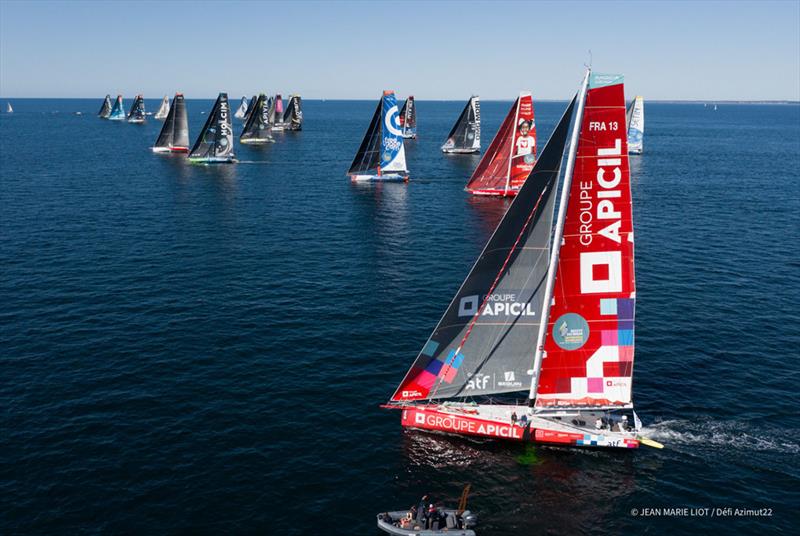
(571, 331)
(411, 394)
(505, 304)
(392, 122)
(477, 381)
(509, 380)
(467, 426)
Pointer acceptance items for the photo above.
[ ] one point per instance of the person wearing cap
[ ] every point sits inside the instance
(623, 424)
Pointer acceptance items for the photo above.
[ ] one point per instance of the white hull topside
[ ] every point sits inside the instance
(461, 151)
(385, 177)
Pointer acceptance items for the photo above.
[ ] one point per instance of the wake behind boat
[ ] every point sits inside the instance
(214, 145)
(381, 156)
(552, 319)
(511, 155)
(465, 136)
(174, 135)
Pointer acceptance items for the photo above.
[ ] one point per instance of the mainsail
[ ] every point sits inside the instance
(242, 111)
(215, 142)
(118, 111)
(587, 357)
(105, 109)
(136, 114)
(381, 154)
(635, 123)
(465, 136)
(9, 109)
(511, 155)
(408, 118)
(484, 343)
(174, 136)
(258, 127)
(293, 117)
(163, 110)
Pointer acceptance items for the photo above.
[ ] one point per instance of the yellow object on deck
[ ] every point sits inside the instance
(650, 443)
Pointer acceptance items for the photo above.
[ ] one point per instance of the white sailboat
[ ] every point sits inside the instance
(635, 122)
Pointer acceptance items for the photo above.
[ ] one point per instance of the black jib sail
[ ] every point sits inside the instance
(136, 114)
(293, 117)
(368, 156)
(483, 344)
(174, 136)
(465, 136)
(408, 118)
(215, 142)
(257, 129)
(105, 109)
(250, 107)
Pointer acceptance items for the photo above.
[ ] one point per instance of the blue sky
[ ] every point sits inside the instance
(434, 50)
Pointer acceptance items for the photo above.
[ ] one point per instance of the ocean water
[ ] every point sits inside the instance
(204, 349)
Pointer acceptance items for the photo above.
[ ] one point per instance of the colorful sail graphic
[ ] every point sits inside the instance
(118, 111)
(381, 155)
(215, 142)
(635, 118)
(588, 350)
(408, 118)
(105, 109)
(511, 155)
(485, 341)
(393, 153)
(465, 136)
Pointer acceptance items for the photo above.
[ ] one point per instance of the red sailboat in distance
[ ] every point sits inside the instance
(548, 308)
(512, 154)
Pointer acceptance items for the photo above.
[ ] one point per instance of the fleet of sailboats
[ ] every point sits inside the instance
(511, 155)
(465, 136)
(547, 311)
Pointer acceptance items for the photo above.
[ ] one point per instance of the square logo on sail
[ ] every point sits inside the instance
(468, 305)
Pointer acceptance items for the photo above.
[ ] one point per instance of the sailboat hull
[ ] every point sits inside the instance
(385, 177)
(511, 192)
(460, 151)
(494, 421)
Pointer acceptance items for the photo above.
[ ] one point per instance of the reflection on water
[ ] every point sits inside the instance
(488, 211)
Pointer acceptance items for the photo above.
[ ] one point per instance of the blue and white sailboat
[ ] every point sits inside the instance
(635, 117)
(118, 111)
(381, 156)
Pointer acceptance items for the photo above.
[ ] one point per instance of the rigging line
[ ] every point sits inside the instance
(489, 293)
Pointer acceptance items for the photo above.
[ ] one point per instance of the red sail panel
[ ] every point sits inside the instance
(588, 359)
(511, 155)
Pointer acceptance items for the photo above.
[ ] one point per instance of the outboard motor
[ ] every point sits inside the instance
(470, 519)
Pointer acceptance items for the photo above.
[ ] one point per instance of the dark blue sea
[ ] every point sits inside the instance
(203, 350)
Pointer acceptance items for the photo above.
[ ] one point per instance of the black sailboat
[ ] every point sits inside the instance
(174, 136)
(258, 126)
(214, 145)
(105, 109)
(250, 107)
(293, 116)
(136, 114)
(408, 118)
(465, 136)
